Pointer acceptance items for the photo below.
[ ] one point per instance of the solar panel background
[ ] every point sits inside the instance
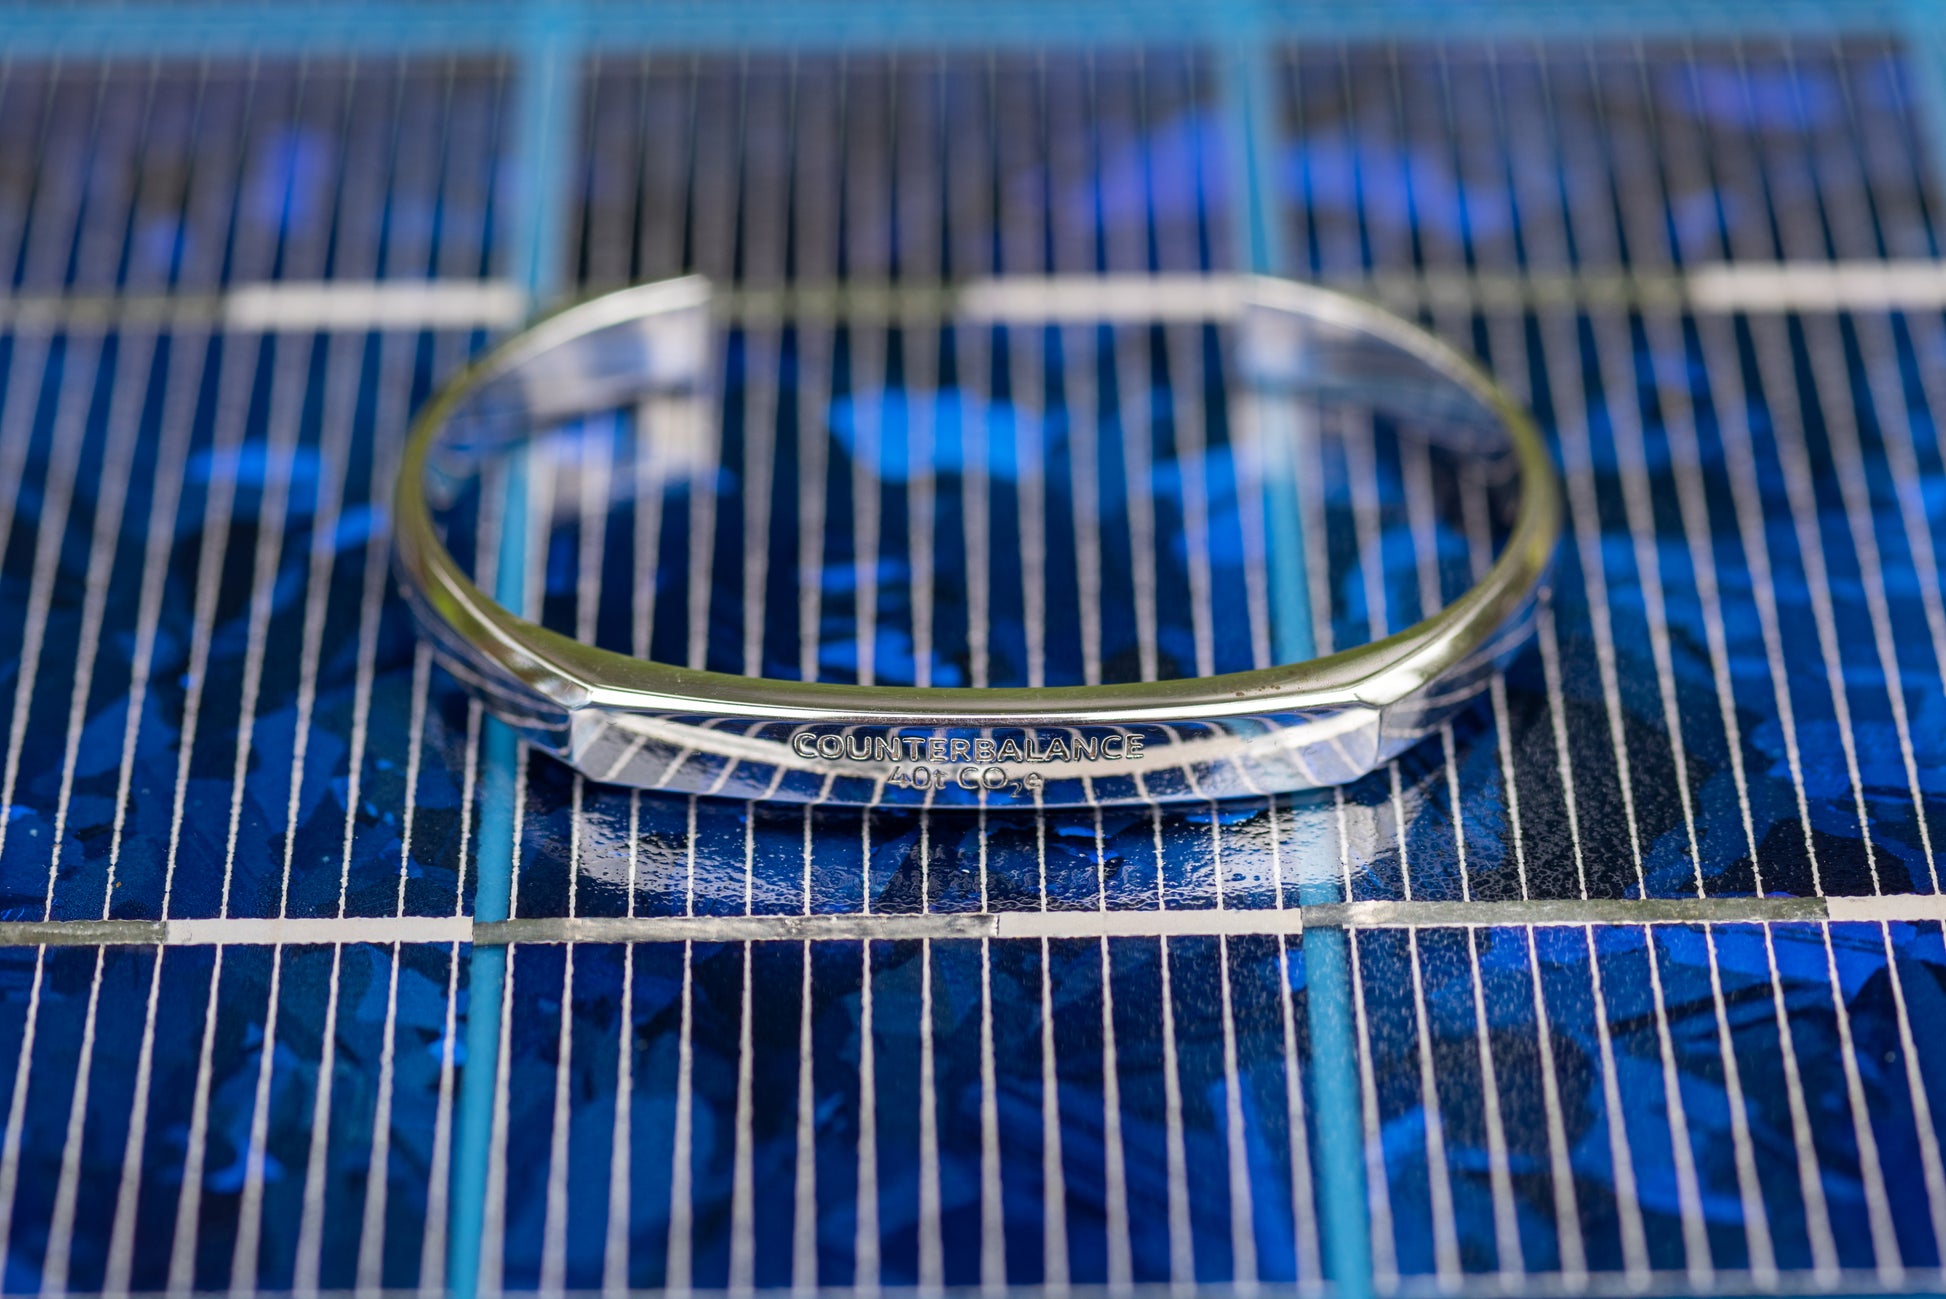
(219, 711)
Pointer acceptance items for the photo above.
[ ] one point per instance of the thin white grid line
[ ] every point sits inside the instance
(1643, 227)
(1378, 1192)
(1362, 469)
(1640, 206)
(1615, 351)
(1740, 457)
(919, 149)
(1755, 1219)
(1078, 356)
(310, 1233)
(865, 1247)
(1838, 398)
(1361, 451)
(1563, 382)
(972, 348)
(55, 208)
(743, 1202)
(1561, 359)
(29, 354)
(1182, 1241)
(325, 517)
(1054, 1188)
(432, 1249)
(394, 388)
(646, 460)
(1922, 1116)
(817, 250)
(1841, 428)
(1069, 153)
(231, 414)
(1439, 1178)
(1777, 368)
(1124, 101)
(187, 357)
(1824, 343)
(1120, 1266)
(1506, 1224)
(1634, 1240)
(615, 1241)
(659, 233)
(554, 1223)
(182, 1251)
(1768, 341)
(865, 188)
(230, 418)
(1567, 1208)
(135, 359)
(804, 1223)
(759, 451)
(344, 373)
(80, 365)
(538, 472)
(1817, 1214)
(1902, 466)
(60, 1229)
(1723, 378)
(129, 395)
(243, 1264)
(1243, 1217)
(458, 182)
(1698, 1262)
(1303, 1202)
(993, 1245)
(1250, 447)
(931, 1262)
(121, 1232)
(1560, 356)
(1508, 345)
(682, 1210)
(36, 130)
(607, 239)
(700, 431)
(1896, 202)
(592, 474)
(368, 1269)
(1902, 205)
(1190, 446)
(494, 1210)
(1569, 1241)
(1253, 136)
(1886, 1256)
(1021, 186)
(179, 402)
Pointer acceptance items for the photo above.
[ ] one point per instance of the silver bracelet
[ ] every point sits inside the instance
(1303, 353)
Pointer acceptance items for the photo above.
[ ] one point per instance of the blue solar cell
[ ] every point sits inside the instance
(217, 708)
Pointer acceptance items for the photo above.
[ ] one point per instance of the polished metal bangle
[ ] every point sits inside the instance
(1298, 353)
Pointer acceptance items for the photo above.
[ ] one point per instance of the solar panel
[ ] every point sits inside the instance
(1622, 980)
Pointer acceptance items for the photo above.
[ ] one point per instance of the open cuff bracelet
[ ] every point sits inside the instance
(606, 404)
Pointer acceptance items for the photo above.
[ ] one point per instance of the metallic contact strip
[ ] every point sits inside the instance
(1910, 908)
(1724, 288)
